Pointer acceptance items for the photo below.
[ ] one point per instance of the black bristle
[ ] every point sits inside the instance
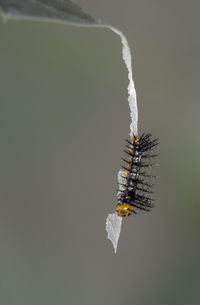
(136, 186)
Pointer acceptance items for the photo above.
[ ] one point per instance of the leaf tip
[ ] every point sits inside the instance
(113, 228)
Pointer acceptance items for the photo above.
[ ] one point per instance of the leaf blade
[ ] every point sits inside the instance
(61, 10)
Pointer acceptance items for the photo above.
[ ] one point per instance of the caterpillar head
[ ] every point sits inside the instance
(124, 209)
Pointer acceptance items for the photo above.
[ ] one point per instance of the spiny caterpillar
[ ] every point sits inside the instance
(133, 193)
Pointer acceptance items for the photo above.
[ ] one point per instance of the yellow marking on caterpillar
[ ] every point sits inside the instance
(129, 167)
(136, 140)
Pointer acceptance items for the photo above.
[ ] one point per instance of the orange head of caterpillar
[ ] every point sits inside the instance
(125, 209)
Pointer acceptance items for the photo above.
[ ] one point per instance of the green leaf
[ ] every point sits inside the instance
(58, 10)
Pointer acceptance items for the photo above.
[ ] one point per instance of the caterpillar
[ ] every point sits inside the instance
(134, 185)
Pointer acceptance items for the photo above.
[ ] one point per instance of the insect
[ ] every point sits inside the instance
(135, 183)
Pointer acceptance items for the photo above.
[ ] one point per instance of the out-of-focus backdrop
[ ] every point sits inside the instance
(63, 119)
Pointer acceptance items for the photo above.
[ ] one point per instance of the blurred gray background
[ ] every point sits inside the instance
(63, 119)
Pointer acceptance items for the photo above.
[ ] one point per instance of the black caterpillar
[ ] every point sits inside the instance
(134, 187)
